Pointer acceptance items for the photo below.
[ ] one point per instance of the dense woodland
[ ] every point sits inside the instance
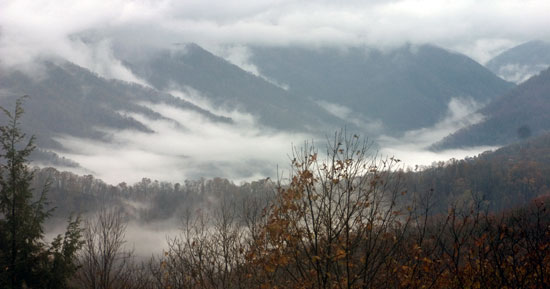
(501, 179)
(126, 125)
(517, 114)
(341, 219)
(145, 201)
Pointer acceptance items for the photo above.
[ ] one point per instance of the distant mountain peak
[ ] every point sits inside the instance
(418, 81)
(519, 63)
(520, 113)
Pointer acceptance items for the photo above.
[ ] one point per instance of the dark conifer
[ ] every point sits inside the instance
(25, 259)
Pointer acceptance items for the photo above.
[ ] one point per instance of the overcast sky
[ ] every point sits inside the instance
(479, 28)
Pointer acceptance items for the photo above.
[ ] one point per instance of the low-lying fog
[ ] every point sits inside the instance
(192, 146)
(144, 240)
(412, 147)
(189, 145)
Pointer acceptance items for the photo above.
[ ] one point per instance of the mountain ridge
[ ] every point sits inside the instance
(519, 63)
(72, 100)
(417, 81)
(227, 86)
(521, 112)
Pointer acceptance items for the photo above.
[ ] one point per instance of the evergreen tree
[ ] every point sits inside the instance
(25, 259)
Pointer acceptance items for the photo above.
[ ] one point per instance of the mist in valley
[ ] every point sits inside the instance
(222, 144)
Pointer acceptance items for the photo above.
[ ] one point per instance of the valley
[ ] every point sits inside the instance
(274, 144)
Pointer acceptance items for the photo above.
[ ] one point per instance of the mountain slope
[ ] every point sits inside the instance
(229, 87)
(521, 62)
(70, 100)
(518, 114)
(507, 177)
(406, 88)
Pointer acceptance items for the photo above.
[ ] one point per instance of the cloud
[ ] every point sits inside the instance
(188, 147)
(84, 32)
(413, 147)
(519, 73)
(40, 28)
(485, 49)
(461, 112)
(240, 55)
(341, 111)
(143, 239)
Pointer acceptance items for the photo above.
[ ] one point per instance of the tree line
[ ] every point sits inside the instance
(341, 218)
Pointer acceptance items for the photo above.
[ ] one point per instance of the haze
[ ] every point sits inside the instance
(85, 33)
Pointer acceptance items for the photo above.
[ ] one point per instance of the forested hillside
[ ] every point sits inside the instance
(337, 224)
(502, 179)
(274, 144)
(66, 99)
(521, 62)
(404, 88)
(145, 201)
(224, 85)
(505, 178)
(345, 219)
(518, 114)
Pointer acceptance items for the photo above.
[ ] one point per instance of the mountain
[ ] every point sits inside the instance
(518, 114)
(406, 88)
(66, 99)
(228, 87)
(366, 91)
(521, 62)
(507, 177)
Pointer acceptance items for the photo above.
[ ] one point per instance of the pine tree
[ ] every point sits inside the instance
(25, 259)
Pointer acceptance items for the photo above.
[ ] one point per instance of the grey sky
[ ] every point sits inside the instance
(479, 28)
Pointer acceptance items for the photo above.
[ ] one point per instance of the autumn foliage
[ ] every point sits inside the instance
(340, 218)
(347, 221)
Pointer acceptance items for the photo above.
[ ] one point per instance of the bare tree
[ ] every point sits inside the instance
(105, 262)
(210, 252)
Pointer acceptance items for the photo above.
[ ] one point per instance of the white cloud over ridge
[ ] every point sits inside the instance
(413, 146)
(31, 28)
(519, 73)
(240, 55)
(85, 31)
(188, 147)
(344, 112)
